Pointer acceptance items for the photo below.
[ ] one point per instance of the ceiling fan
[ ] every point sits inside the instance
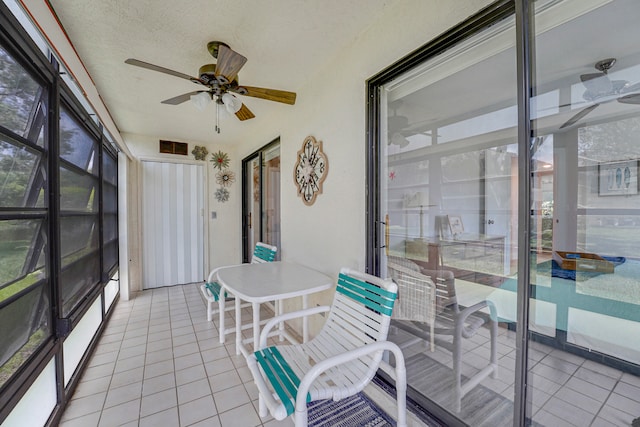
(600, 89)
(221, 83)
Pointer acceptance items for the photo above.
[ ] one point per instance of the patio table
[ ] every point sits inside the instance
(271, 281)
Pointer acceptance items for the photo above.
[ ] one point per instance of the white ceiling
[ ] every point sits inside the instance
(287, 43)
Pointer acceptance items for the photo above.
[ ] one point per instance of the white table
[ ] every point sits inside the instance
(270, 281)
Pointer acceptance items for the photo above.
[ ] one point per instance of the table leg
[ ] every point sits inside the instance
(238, 326)
(279, 311)
(305, 319)
(256, 325)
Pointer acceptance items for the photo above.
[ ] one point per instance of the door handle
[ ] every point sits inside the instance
(386, 234)
(249, 219)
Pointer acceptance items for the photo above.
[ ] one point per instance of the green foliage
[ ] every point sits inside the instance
(18, 359)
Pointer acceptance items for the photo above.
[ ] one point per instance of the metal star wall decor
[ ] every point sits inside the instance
(200, 152)
(225, 178)
(222, 195)
(220, 160)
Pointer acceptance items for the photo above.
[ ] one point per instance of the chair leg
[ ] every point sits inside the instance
(494, 348)
(300, 418)
(221, 312)
(263, 411)
(209, 311)
(457, 372)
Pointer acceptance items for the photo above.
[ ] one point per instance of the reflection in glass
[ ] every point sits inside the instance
(76, 145)
(25, 325)
(77, 280)
(20, 99)
(21, 245)
(110, 169)
(21, 179)
(271, 196)
(78, 192)
(449, 203)
(585, 355)
(78, 237)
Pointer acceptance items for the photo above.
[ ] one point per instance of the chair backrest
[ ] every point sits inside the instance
(416, 294)
(263, 253)
(444, 281)
(362, 309)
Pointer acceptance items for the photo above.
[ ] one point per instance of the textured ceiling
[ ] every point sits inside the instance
(287, 42)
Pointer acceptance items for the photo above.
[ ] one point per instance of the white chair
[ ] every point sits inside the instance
(211, 289)
(340, 361)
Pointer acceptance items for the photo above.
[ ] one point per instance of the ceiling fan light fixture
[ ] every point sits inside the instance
(201, 100)
(398, 139)
(231, 103)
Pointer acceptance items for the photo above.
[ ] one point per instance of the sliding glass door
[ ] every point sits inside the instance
(448, 184)
(486, 226)
(261, 198)
(585, 360)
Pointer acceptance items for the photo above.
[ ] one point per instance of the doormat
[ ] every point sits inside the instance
(354, 411)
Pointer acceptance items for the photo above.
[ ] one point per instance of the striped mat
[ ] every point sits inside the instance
(354, 411)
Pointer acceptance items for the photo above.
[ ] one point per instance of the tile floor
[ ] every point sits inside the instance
(568, 390)
(160, 363)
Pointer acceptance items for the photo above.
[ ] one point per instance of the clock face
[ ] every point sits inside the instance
(311, 170)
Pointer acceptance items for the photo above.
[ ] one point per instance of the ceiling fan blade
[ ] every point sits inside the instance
(268, 94)
(579, 115)
(228, 65)
(591, 76)
(633, 98)
(632, 88)
(160, 69)
(244, 113)
(181, 98)
(597, 83)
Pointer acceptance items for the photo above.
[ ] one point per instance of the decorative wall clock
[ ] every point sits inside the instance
(310, 170)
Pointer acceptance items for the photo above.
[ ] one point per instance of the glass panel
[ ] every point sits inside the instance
(110, 169)
(449, 180)
(252, 225)
(21, 99)
(585, 354)
(77, 280)
(76, 144)
(21, 175)
(110, 227)
(271, 197)
(21, 248)
(77, 192)
(25, 325)
(110, 256)
(78, 237)
(109, 198)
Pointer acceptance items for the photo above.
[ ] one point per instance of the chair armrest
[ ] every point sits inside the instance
(288, 316)
(464, 314)
(323, 365)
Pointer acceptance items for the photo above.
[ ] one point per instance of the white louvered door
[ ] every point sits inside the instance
(172, 223)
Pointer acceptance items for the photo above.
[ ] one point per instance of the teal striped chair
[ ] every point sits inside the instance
(211, 289)
(340, 361)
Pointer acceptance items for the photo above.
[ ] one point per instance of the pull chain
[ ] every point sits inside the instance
(217, 117)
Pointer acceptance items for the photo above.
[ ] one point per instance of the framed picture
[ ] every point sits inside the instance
(455, 223)
(618, 178)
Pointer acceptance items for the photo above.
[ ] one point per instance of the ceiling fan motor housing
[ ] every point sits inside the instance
(207, 73)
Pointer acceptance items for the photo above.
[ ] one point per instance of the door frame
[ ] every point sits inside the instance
(259, 153)
(136, 200)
